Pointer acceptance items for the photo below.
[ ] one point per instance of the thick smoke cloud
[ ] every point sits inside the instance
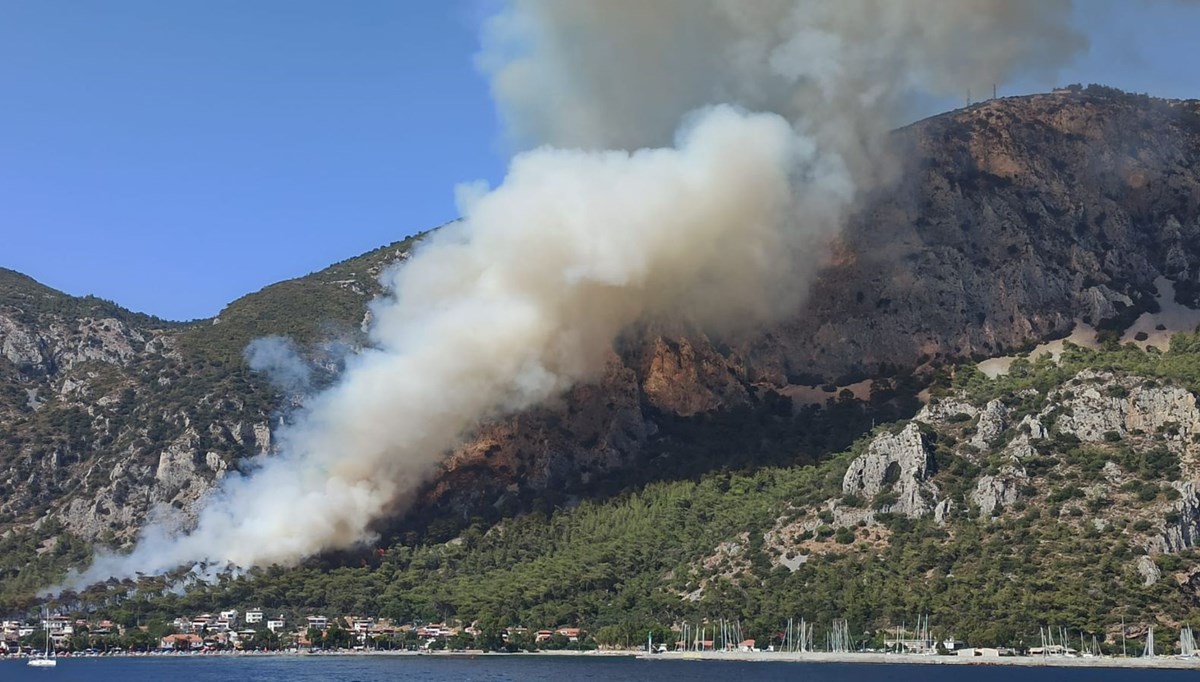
(721, 216)
(504, 310)
(620, 73)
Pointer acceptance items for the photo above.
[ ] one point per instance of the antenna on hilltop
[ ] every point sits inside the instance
(993, 91)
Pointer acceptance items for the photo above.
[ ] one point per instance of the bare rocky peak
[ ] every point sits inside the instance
(1016, 217)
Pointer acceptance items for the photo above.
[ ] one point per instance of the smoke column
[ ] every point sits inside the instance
(718, 214)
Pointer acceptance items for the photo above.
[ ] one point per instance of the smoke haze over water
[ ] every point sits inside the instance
(701, 155)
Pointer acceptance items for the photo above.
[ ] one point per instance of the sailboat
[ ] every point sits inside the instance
(46, 660)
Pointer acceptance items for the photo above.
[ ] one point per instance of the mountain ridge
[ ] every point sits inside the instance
(1020, 215)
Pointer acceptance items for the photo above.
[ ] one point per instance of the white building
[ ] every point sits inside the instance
(58, 625)
(230, 616)
(984, 652)
(952, 644)
(275, 624)
(254, 616)
(318, 622)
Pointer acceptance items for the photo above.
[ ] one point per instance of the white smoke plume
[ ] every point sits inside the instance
(509, 307)
(280, 360)
(620, 73)
(525, 296)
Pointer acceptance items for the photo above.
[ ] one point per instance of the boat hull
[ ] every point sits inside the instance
(43, 662)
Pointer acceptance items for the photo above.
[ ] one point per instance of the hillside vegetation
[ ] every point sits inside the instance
(1088, 522)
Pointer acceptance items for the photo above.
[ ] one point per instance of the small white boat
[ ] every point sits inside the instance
(43, 662)
(46, 660)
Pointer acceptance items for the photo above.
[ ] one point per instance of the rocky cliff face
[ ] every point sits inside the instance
(1020, 216)
(1112, 451)
(91, 431)
(899, 464)
(1015, 218)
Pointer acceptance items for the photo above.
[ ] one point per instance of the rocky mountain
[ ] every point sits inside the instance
(1014, 218)
(105, 414)
(1017, 219)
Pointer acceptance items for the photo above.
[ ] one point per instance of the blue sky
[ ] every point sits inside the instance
(173, 156)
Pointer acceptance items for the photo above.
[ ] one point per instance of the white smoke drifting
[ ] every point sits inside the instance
(525, 296)
(620, 73)
(279, 359)
(510, 307)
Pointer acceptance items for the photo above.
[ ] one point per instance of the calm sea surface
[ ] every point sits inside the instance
(535, 669)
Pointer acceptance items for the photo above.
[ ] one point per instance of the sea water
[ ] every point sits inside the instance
(533, 669)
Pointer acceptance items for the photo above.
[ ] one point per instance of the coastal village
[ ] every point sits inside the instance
(258, 630)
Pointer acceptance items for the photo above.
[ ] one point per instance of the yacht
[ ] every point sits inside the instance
(47, 659)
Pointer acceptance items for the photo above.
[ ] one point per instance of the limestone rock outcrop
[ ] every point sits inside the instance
(899, 464)
(1098, 403)
(993, 420)
(998, 492)
(944, 410)
(1149, 571)
(1184, 531)
(19, 345)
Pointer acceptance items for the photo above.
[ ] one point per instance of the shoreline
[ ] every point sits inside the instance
(331, 654)
(1157, 662)
(1099, 662)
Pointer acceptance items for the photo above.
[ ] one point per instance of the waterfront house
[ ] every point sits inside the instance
(433, 630)
(572, 634)
(58, 625)
(181, 642)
